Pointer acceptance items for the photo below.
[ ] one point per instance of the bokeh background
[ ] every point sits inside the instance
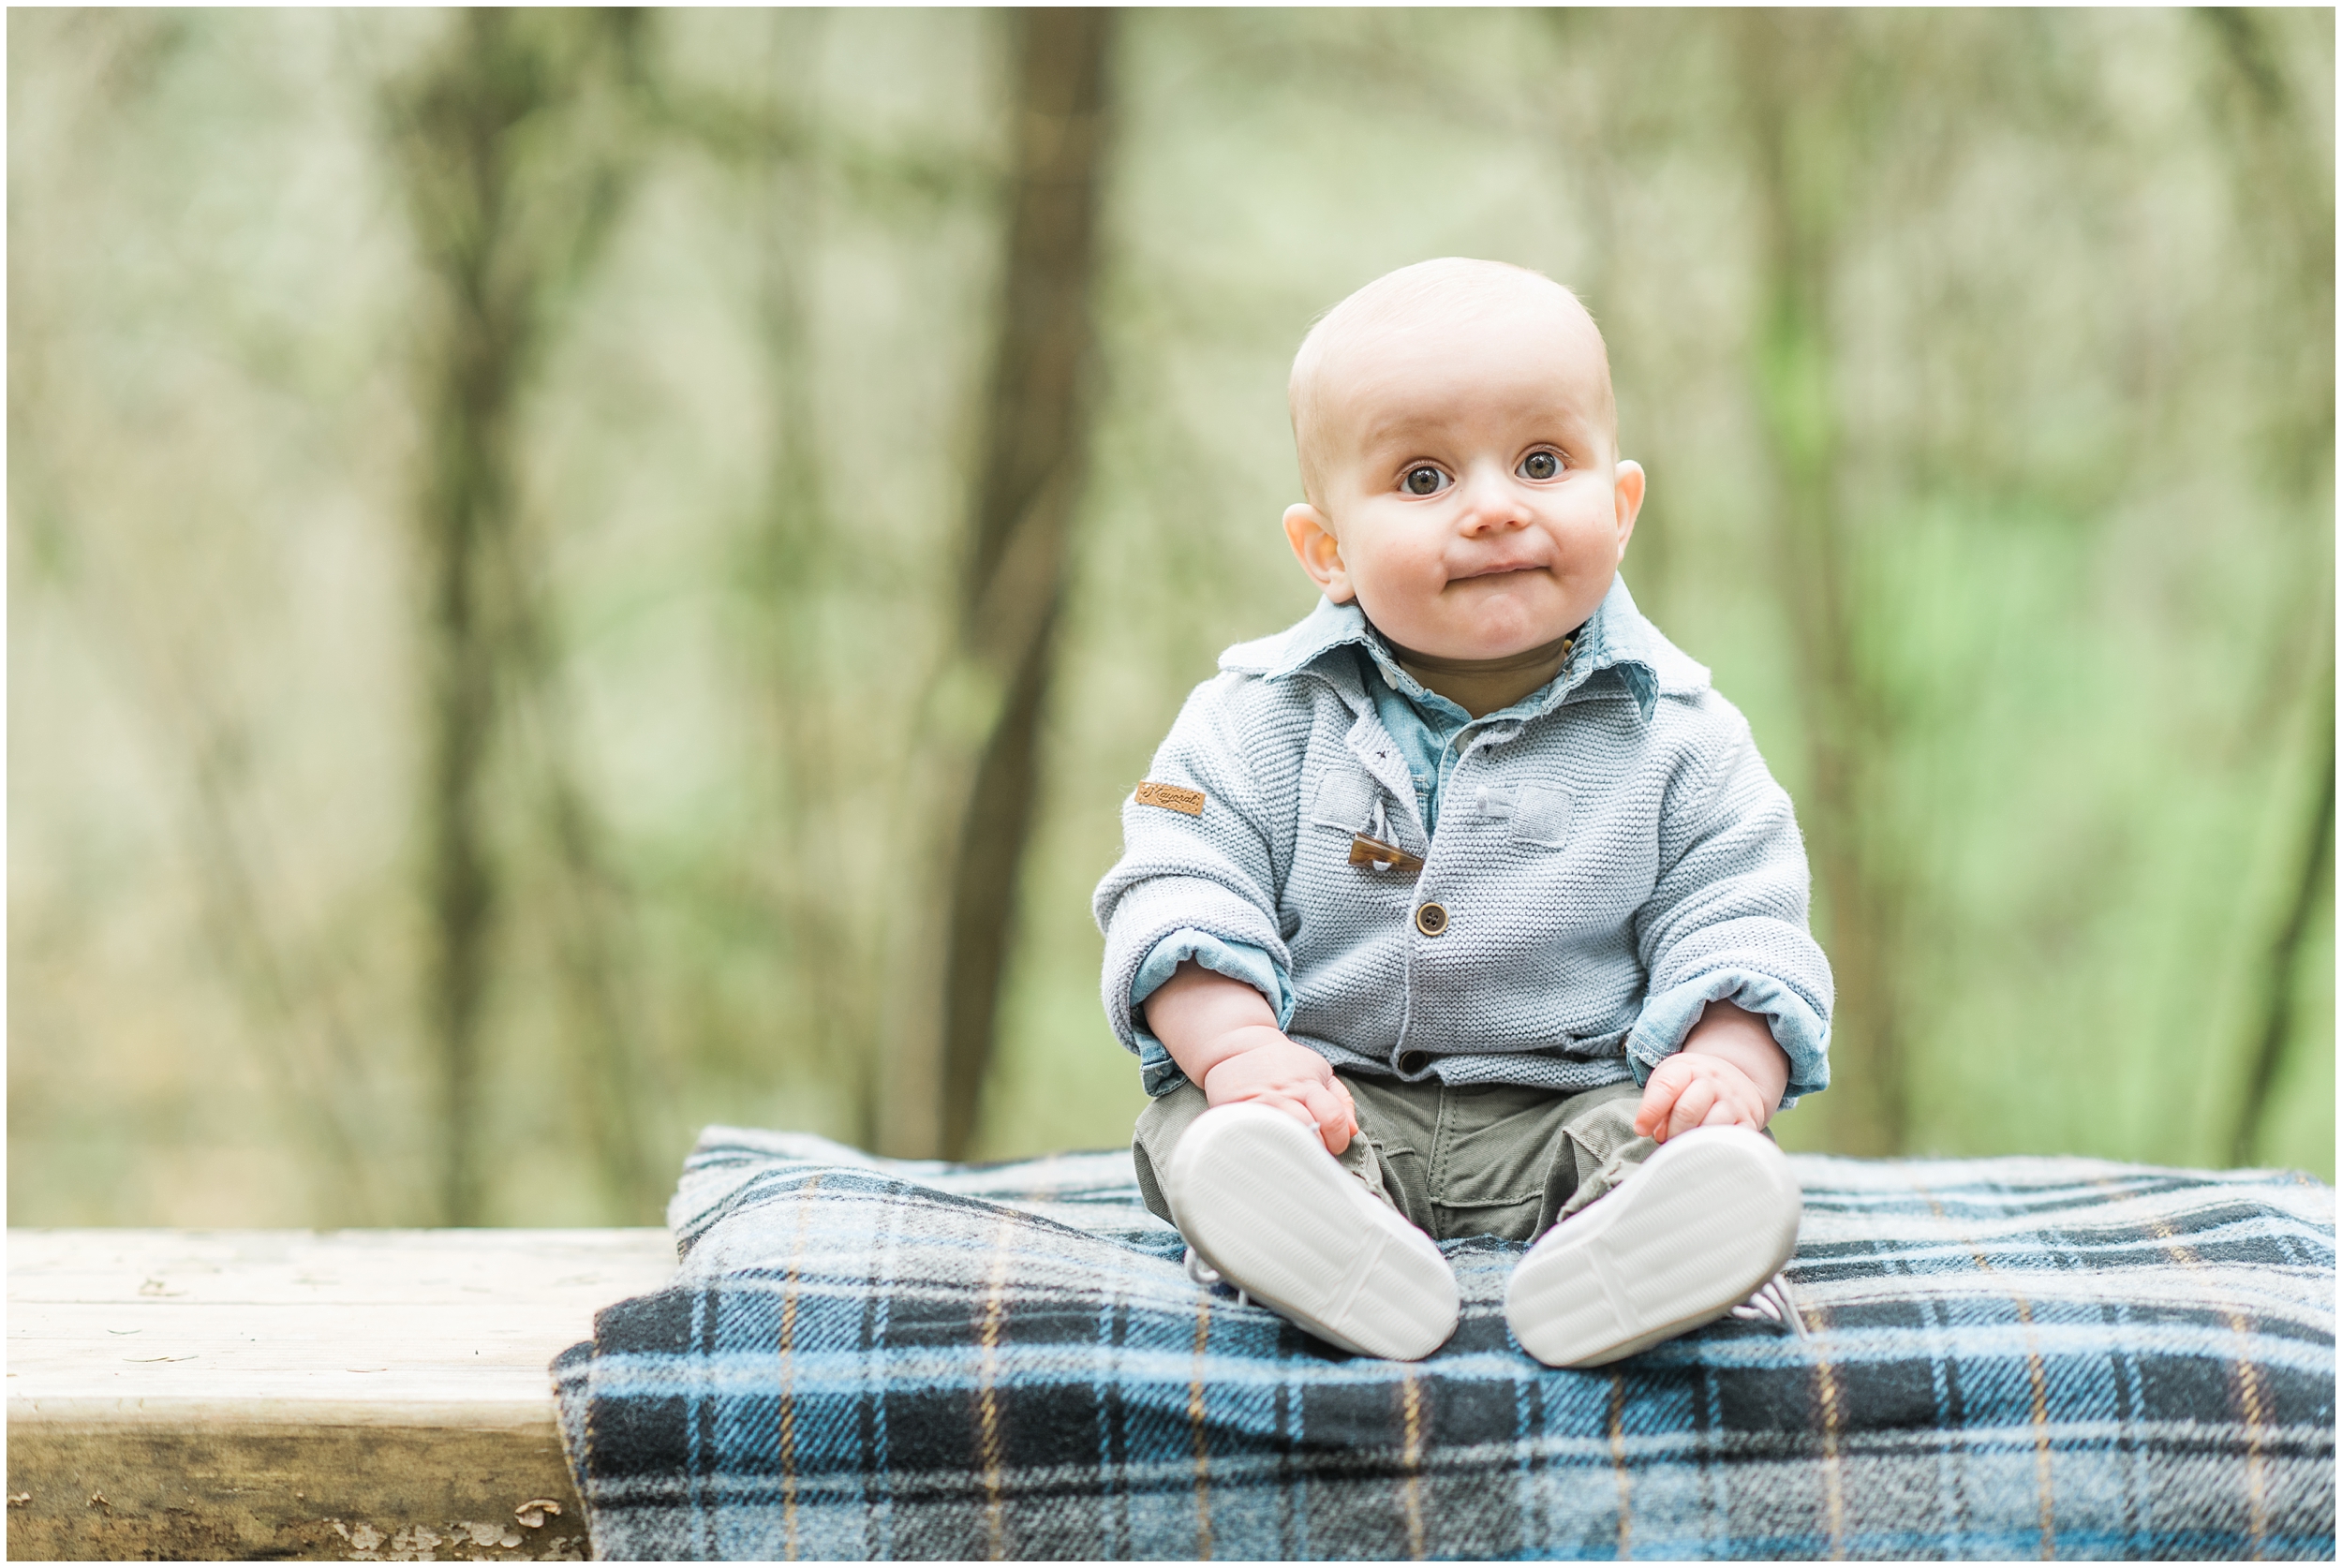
(522, 638)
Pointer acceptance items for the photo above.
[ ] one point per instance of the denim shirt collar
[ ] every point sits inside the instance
(1615, 636)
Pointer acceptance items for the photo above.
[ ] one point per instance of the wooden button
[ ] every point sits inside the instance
(1431, 919)
(1413, 1062)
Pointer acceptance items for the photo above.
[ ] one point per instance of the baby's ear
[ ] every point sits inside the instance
(1314, 546)
(1628, 492)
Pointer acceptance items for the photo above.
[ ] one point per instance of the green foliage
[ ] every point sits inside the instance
(2065, 386)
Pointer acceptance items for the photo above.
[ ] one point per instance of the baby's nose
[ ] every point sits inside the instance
(1494, 504)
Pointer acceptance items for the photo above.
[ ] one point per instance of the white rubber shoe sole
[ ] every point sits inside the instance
(1706, 1220)
(1257, 1196)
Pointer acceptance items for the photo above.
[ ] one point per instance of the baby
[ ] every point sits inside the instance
(1466, 902)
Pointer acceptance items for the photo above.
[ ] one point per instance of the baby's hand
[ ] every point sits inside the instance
(1690, 1090)
(1224, 1037)
(1294, 1079)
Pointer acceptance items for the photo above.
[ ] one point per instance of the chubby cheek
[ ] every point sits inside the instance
(1583, 536)
(1397, 588)
(1587, 558)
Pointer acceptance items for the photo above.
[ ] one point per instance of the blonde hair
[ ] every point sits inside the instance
(1397, 301)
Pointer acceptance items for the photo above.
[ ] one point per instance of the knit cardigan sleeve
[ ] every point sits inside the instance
(1213, 869)
(1728, 918)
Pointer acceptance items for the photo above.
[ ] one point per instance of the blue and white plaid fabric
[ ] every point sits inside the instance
(2003, 1358)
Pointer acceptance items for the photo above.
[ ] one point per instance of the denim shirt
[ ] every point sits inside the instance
(1773, 969)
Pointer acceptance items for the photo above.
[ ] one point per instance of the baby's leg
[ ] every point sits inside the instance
(1313, 1237)
(1600, 1148)
(1169, 1115)
(1654, 1240)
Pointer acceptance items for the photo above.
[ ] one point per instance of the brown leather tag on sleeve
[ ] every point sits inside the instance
(1172, 798)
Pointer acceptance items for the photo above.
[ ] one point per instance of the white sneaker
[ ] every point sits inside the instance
(1257, 1196)
(1706, 1220)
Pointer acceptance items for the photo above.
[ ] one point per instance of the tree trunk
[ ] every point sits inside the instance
(459, 183)
(984, 714)
(2285, 193)
(1791, 76)
(495, 270)
(796, 564)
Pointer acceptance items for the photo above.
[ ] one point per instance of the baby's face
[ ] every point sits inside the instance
(1470, 495)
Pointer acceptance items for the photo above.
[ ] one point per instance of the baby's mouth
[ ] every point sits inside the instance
(1502, 568)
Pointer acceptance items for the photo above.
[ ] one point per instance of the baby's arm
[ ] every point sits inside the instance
(1730, 1073)
(1224, 1037)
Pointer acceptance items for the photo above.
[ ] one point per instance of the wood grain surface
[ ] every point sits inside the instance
(367, 1395)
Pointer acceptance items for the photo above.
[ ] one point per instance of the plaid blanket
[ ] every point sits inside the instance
(2001, 1358)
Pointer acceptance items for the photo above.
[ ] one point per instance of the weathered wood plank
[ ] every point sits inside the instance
(355, 1394)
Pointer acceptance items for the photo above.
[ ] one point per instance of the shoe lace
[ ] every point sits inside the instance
(1771, 1304)
(1205, 1275)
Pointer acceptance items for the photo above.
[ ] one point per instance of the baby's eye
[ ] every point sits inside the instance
(1540, 466)
(1424, 480)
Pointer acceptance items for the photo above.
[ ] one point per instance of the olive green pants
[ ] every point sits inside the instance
(1473, 1159)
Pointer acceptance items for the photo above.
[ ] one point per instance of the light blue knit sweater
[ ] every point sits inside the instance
(1612, 856)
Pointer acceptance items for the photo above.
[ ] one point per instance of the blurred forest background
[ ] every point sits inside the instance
(573, 575)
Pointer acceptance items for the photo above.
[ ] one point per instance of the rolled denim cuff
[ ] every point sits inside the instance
(1797, 1026)
(1240, 961)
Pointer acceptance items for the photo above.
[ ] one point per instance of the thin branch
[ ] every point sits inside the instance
(2281, 969)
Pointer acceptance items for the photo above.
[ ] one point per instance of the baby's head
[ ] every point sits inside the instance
(1459, 448)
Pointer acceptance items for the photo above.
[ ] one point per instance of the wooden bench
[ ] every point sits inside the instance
(363, 1395)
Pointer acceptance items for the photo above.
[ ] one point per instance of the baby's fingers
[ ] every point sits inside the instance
(1650, 1117)
(1691, 1108)
(1336, 1120)
(1659, 1095)
(1724, 1113)
(1293, 1102)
